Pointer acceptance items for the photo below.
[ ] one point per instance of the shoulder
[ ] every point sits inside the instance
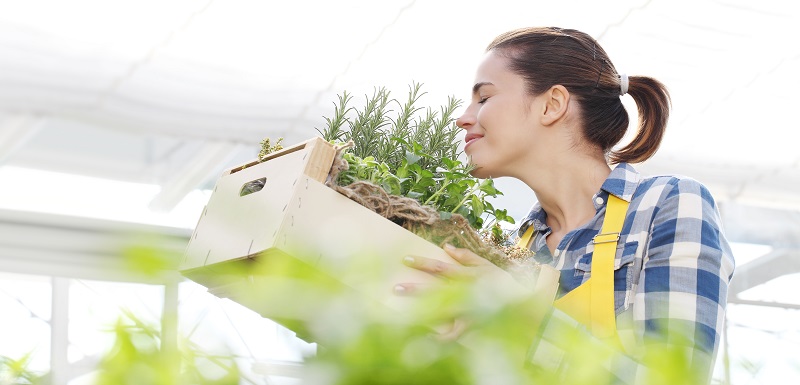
(675, 197)
(659, 189)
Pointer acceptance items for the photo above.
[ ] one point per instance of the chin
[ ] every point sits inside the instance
(480, 172)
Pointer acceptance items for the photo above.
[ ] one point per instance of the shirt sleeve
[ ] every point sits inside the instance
(679, 303)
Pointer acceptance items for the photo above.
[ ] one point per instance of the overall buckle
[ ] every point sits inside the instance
(605, 238)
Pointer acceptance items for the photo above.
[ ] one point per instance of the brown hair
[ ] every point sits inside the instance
(550, 56)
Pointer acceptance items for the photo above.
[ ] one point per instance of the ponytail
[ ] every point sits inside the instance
(653, 102)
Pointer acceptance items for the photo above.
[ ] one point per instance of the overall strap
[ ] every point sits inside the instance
(592, 303)
(603, 323)
(524, 241)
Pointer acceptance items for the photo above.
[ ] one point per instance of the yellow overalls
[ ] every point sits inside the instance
(592, 303)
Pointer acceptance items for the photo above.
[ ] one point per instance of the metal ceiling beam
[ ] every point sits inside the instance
(82, 248)
(775, 264)
(16, 130)
(779, 228)
(780, 305)
(205, 164)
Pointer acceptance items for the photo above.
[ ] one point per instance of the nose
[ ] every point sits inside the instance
(466, 120)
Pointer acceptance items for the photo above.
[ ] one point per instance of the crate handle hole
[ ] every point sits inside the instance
(252, 186)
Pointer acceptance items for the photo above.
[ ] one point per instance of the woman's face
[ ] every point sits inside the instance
(500, 120)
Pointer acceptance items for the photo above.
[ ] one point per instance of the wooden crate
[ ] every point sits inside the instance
(296, 218)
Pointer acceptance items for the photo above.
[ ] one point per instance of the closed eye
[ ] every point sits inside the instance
(476, 91)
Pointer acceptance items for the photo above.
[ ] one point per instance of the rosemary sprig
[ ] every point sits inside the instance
(334, 130)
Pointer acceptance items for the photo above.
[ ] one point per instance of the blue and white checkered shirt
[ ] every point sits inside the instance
(672, 270)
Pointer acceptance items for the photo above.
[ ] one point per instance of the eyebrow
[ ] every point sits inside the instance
(478, 86)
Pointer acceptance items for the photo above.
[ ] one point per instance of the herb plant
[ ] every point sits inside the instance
(412, 151)
(267, 148)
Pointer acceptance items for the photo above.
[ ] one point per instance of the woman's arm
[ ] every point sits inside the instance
(682, 292)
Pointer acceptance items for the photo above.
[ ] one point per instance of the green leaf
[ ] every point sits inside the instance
(391, 186)
(401, 141)
(426, 174)
(477, 205)
(452, 201)
(412, 158)
(487, 186)
(402, 172)
(414, 195)
(497, 231)
(424, 183)
(451, 164)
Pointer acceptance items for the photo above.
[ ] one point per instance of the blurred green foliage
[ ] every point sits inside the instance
(16, 372)
(138, 358)
(365, 342)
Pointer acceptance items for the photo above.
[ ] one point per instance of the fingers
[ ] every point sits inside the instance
(464, 256)
(410, 288)
(436, 267)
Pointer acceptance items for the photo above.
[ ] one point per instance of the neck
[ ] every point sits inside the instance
(565, 189)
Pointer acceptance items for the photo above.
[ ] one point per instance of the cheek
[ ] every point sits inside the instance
(498, 110)
(488, 109)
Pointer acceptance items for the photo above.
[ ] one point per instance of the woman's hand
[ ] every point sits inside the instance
(470, 268)
(486, 281)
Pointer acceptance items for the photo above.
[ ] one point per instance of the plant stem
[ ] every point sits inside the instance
(467, 196)
(445, 183)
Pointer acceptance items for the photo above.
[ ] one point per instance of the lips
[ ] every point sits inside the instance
(471, 138)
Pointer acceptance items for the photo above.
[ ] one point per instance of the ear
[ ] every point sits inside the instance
(555, 103)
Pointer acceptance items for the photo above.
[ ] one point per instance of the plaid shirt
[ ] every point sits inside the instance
(672, 270)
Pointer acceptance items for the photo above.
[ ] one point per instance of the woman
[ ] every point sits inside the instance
(546, 110)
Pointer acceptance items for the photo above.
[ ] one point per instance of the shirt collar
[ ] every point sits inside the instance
(622, 182)
(536, 217)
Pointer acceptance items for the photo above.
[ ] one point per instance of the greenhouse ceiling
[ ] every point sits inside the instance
(130, 110)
